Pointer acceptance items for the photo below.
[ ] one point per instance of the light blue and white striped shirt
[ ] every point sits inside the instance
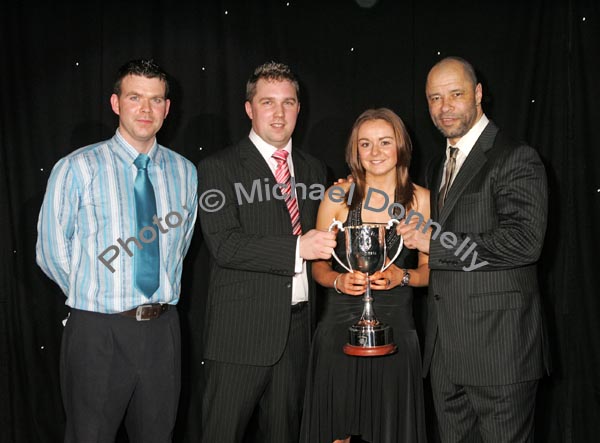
(88, 214)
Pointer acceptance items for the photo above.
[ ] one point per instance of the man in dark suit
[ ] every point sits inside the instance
(259, 317)
(485, 347)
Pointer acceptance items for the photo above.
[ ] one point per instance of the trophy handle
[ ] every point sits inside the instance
(339, 225)
(391, 223)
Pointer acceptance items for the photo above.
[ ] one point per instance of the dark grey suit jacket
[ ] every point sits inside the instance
(252, 253)
(487, 323)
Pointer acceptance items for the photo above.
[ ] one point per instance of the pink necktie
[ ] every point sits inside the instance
(282, 175)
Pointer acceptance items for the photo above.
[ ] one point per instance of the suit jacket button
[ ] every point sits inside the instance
(289, 285)
(436, 296)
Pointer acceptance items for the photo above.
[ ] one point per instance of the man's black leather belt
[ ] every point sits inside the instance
(299, 306)
(146, 312)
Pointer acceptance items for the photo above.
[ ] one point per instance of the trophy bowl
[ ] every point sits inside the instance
(366, 251)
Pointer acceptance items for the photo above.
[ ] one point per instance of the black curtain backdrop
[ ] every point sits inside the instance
(537, 61)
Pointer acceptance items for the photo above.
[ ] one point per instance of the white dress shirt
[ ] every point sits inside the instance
(464, 145)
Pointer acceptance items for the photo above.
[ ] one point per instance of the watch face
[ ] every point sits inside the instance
(405, 278)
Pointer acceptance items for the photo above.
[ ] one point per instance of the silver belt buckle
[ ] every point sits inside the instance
(139, 312)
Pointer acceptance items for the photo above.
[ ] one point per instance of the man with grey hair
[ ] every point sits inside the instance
(260, 306)
(485, 347)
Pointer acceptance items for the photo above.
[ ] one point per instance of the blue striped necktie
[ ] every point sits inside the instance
(146, 260)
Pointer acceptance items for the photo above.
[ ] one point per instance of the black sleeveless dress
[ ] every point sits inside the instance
(378, 398)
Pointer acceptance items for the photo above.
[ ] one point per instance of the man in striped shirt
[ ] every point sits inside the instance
(120, 353)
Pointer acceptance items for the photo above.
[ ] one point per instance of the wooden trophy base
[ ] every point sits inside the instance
(370, 339)
(370, 351)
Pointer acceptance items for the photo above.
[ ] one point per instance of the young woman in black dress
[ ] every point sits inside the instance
(377, 398)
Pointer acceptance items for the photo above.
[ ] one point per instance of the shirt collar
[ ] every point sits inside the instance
(265, 149)
(467, 141)
(128, 153)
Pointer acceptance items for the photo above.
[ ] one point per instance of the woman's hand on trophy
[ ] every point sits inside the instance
(382, 281)
(351, 283)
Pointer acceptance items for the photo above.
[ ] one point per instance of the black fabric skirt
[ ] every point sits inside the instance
(378, 398)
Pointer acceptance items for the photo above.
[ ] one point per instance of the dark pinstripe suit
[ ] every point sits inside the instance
(485, 326)
(249, 325)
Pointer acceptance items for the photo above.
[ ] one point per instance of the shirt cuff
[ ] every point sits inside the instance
(299, 260)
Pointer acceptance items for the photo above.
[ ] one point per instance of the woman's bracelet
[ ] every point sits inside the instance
(335, 284)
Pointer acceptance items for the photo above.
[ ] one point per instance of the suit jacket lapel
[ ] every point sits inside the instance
(435, 182)
(474, 162)
(257, 168)
(254, 163)
(301, 175)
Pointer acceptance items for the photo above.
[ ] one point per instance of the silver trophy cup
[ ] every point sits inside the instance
(366, 252)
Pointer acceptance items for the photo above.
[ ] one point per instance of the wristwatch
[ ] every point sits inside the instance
(405, 278)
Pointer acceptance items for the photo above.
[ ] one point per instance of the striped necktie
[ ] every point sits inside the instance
(282, 175)
(146, 260)
(448, 175)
